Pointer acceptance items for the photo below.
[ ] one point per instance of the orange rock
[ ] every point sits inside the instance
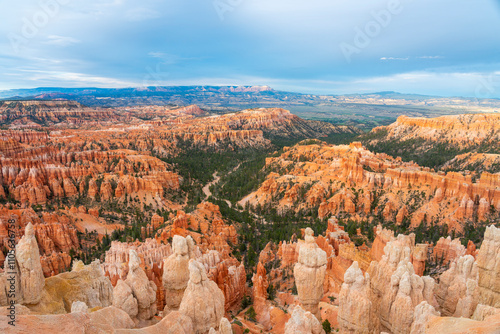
(94, 212)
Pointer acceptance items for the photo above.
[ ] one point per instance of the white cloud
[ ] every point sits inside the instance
(73, 79)
(431, 57)
(394, 58)
(61, 40)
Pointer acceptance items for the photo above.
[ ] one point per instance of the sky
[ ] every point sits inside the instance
(432, 47)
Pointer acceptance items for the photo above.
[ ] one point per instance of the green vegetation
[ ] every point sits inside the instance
(433, 154)
(247, 178)
(251, 314)
(327, 327)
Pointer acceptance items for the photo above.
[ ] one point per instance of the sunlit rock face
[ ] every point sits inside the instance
(142, 288)
(459, 281)
(203, 301)
(83, 283)
(310, 272)
(25, 263)
(396, 289)
(176, 272)
(303, 322)
(356, 311)
(29, 266)
(488, 264)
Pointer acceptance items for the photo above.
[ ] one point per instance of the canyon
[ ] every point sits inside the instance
(123, 220)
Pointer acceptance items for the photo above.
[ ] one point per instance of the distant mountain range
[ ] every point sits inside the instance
(363, 110)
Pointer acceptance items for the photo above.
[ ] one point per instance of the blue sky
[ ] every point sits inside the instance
(438, 47)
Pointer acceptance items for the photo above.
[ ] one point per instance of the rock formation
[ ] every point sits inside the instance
(142, 289)
(455, 283)
(83, 283)
(310, 273)
(259, 295)
(303, 322)
(224, 328)
(447, 250)
(174, 323)
(176, 272)
(463, 130)
(331, 177)
(203, 301)
(123, 298)
(30, 268)
(78, 306)
(488, 264)
(106, 320)
(421, 316)
(396, 289)
(356, 312)
(23, 279)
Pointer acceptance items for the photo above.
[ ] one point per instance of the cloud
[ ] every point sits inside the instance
(61, 40)
(288, 44)
(394, 58)
(431, 57)
(141, 14)
(157, 54)
(72, 79)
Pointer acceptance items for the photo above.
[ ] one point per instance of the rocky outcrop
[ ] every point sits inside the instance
(30, 268)
(447, 250)
(259, 295)
(309, 273)
(78, 306)
(55, 263)
(106, 320)
(83, 283)
(123, 298)
(150, 251)
(56, 236)
(203, 301)
(456, 283)
(22, 281)
(142, 289)
(488, 264)
(174, 323)
(396, 289)
(421, 316)
(225, 271)
(176, 272)
(224, 328)
(463, 130)
(303, 322)
(418, 258)
(484, 311)
(356, 312)
(451, 325)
